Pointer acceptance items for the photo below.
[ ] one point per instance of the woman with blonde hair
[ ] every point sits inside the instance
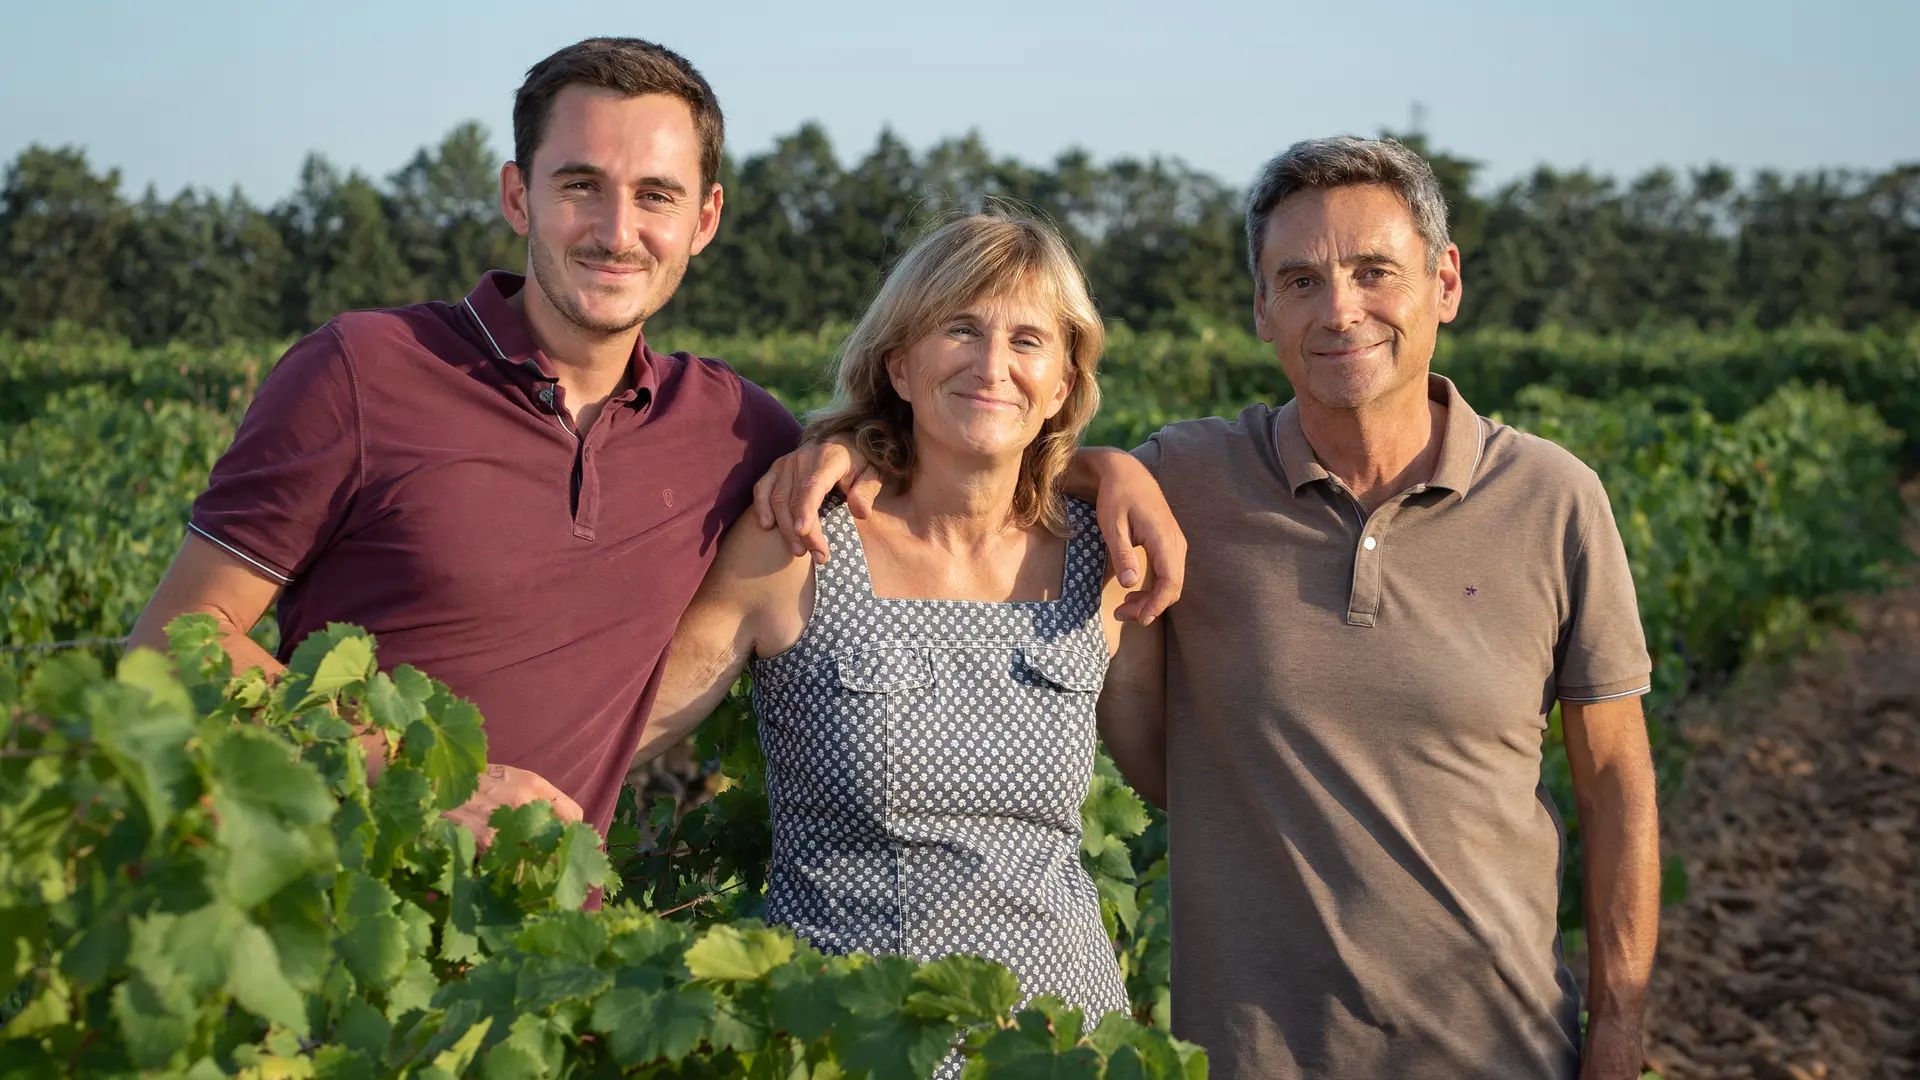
(926, 698)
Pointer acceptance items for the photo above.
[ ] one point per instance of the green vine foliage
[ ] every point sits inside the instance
(199, 879)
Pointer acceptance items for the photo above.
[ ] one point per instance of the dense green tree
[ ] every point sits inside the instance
(807, 233)
(445, 210)
(344, 254)
(60, 227)
(206, 270)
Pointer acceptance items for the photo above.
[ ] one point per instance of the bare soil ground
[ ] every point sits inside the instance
(1797, 954)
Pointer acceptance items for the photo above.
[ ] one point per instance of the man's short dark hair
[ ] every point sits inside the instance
(625, 65)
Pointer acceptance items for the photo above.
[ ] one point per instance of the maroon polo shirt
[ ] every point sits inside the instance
(413, 471)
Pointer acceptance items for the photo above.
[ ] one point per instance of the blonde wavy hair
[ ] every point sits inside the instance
(963, 262)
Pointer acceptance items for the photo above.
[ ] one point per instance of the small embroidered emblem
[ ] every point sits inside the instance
(666, 496)
(1473, 590)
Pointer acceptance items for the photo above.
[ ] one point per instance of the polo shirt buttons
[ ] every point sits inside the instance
(546, 396)
(1369, 543)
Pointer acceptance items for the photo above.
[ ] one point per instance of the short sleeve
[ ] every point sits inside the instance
(1149, 453)
(1602, 652)
(281, 490)
(773, 432)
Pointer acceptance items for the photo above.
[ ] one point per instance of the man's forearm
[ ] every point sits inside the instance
(150, 631)
(1622, 852)
(1082, 478)
(1619, 833)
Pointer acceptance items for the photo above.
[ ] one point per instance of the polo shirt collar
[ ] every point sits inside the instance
(506, 335)
(1461, 444)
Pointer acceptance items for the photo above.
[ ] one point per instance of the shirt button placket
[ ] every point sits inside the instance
(1363, 603)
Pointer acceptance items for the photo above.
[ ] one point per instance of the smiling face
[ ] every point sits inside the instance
(612, 206)
(983, 382)
(1346, 297)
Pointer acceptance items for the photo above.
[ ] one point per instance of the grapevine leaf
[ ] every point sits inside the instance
(892, 1045)
(386, 706)
(341, 1063)
(1113, 809)
(583, 865)
(272, 809)
(195, 947)
(326, 662)
(491, 983)
(800, 1004)
(545, 982)
(1126, 1064)
(459, 935)
(654, 942)
(1044, 1063)
(462, 1020)
(372, 938)
(155, 1020)
(49, 1007)
(448, 745)
(878, 987)
(148, 670)
(510, 1061)
(414, 989)
(100, 949)
(21, 931)
(741, 1022)
(259, 984)
(1125, 900)
(419, 926)
(59, 687)
(1047, 1013)
(574, 936)
(145, 740)
(452, 1062)
(362, 1028)
(732, 954)
(346, 663)
(975, 990)
(645, 1025)
(354, 835)
(1133, 1050)
(534, 1049)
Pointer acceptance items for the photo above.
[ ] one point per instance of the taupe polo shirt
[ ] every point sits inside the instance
(1365, 866)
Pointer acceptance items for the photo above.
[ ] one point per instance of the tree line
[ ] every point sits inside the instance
(806, 236)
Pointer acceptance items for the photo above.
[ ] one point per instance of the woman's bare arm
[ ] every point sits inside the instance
(755, 599)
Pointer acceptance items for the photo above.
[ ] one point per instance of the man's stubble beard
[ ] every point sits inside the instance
(550, 275)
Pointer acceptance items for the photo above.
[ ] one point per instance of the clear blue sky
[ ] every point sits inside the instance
(222, 93)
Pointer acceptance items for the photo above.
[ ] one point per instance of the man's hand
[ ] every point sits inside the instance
(1133, 512)
(504, 785)
(788, 497)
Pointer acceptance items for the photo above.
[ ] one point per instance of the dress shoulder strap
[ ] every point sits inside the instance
(1086, 575)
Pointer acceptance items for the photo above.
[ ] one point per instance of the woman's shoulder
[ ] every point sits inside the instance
(752, 554)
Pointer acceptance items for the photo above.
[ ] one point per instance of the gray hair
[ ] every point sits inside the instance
(1342, 161)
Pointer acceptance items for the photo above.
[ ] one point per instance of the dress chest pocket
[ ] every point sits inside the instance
(884, 669)
(1060, 667)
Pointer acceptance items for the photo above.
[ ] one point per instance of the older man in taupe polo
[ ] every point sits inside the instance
(1385, 595)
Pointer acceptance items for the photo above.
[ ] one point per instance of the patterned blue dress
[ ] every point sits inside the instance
(926, 762)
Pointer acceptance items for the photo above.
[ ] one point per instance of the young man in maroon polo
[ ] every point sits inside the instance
(513, 492)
